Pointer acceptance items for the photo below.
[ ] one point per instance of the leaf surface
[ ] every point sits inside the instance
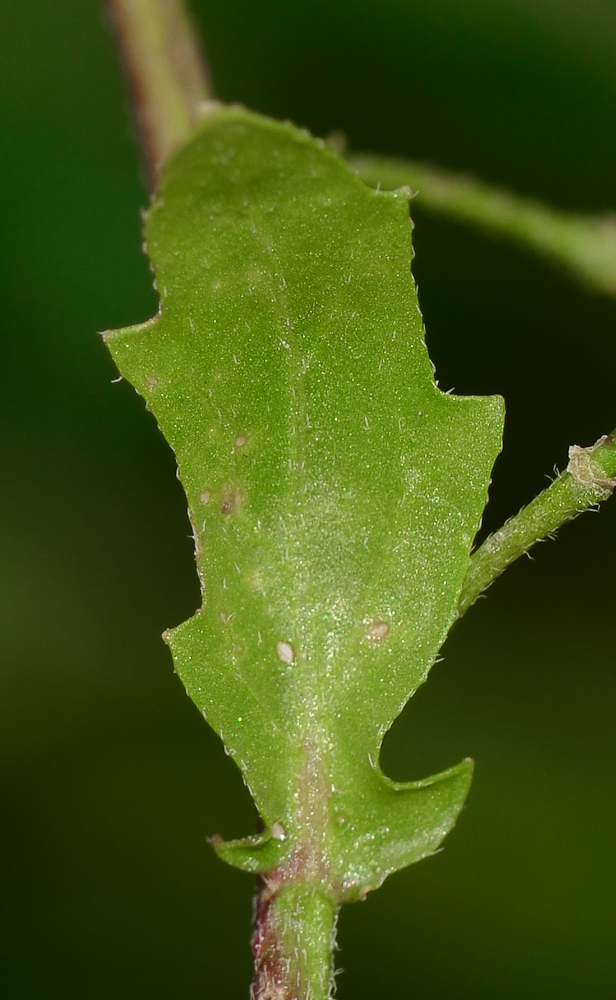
(333, 490)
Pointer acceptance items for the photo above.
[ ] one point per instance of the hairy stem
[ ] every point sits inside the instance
(584, 244)
(589, 478)
(166, 70)
(293, 942)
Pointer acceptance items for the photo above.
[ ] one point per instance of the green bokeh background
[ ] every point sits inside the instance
(109, 778)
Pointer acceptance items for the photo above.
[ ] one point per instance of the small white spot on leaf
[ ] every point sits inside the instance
(285, 651)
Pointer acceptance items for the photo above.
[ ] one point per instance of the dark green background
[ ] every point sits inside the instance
(109, 778)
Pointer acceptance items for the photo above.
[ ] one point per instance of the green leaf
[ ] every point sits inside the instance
(334, 491)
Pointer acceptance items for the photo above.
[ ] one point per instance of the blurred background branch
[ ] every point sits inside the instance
(166, 68)
(584, 244)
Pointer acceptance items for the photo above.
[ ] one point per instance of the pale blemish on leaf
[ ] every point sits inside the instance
(231, 500)
(377, 631)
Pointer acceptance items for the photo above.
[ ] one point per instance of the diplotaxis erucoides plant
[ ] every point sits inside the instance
(334, 491)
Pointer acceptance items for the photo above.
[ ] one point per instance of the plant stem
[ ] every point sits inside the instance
(584, 244)
(589, 478)
(166, 70)
(293, 942)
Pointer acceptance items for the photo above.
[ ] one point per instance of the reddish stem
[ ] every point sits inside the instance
(166, 70)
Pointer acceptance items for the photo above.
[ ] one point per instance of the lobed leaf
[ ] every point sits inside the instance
(333, 490)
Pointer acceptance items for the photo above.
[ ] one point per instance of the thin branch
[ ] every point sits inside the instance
(589, 478)
(167, 72)
(584, 244)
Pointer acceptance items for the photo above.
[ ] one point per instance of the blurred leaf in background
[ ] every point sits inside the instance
(109, 778)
